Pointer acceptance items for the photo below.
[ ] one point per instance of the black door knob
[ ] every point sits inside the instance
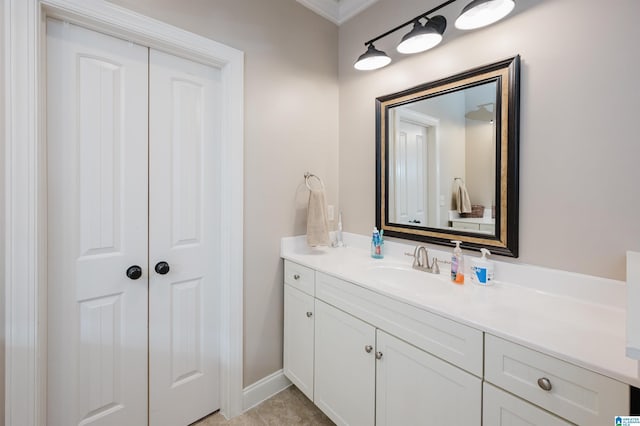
(162, 268)
(134, 272)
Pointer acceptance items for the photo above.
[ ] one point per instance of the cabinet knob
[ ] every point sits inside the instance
(368, 349)
(309, 314)
(544, 383)
(378, 355)
(296, 277)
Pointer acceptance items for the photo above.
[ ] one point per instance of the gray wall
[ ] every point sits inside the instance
(580, 103)
(291, 126)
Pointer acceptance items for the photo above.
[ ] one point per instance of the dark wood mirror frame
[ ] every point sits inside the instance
(504, 241)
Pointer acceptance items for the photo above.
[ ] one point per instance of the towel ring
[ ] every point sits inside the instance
(307, 178)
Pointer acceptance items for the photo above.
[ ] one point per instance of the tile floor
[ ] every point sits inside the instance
(289, 407)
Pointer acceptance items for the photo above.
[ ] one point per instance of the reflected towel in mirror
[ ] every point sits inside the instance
(317, 223)
(461, 196)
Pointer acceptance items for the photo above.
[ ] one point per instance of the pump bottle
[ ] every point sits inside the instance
(482, 269)
(457, 264)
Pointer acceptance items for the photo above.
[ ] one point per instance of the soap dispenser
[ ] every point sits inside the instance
(457, 264)
(482, 269)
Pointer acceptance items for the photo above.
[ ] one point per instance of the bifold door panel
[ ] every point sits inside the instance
(183, 310)
(130, 255)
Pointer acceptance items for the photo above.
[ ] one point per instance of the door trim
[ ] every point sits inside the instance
(25, 190)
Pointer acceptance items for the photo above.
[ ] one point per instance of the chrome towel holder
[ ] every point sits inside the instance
(307, 178)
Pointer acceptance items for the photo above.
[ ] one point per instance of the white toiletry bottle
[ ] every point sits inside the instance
(376, 244)
(482, 269)
(457, 264)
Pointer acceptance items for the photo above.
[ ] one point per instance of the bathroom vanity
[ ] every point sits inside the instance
(376, 342)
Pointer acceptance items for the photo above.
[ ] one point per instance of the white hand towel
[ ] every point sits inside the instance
(461, 196)
(317, 224)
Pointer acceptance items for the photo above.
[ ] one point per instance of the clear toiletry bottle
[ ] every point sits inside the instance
(457, 264)
(340, 241)
(376, 244)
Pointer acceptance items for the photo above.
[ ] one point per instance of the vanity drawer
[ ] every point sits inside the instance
(500, 408)
(300, 277)
(449, 340)
(576, 394)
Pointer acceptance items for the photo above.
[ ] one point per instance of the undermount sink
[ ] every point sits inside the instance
(403, 276)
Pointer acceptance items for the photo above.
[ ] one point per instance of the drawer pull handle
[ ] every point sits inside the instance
(296, 277)
(378, 355)
(545, 384)
(309, 314)
(368, 349)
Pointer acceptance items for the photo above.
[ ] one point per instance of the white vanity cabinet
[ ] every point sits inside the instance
(365, 376)
(474, 224)
(383, 352)
(503, 409)
(578, 395)
(344, 366)
(299, 339)
(415, 388)
(299, 327)
(373, 357)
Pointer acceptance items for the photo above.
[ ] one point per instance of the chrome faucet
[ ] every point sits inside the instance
(421, 260)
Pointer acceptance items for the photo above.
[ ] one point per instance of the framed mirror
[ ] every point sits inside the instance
(447, 160)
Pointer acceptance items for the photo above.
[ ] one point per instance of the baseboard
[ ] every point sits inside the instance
(264, 389)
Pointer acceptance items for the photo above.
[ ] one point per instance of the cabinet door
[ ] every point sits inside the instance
(344, 366)
(503, 409)
(416, 388)
(298, 339)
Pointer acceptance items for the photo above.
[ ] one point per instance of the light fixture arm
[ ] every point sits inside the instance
(422, 16)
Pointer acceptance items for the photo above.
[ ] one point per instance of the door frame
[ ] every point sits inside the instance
(25, 208)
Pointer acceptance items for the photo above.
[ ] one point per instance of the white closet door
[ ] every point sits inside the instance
(411, 174)
(183, 224)
(97, 228)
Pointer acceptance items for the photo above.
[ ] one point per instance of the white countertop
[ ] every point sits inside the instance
(586, 328)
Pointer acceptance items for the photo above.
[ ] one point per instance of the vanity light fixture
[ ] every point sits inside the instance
(425, 36)
(372, 59)
(480, 13)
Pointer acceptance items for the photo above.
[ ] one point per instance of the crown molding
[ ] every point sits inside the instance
(337, 11)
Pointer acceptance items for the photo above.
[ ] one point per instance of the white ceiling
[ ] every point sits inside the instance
(337, 11)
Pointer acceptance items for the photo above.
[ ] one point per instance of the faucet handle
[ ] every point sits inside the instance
(416, 260)
(436, 268)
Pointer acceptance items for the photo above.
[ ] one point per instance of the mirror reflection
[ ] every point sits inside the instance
(442, 160)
